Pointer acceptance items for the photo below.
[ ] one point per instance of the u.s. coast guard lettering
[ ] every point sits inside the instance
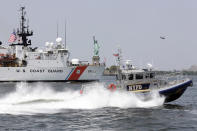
(49, 70)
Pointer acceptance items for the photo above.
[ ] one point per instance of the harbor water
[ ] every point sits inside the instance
(60, 106)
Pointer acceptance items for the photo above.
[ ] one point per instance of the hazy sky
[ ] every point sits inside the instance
(134, 25)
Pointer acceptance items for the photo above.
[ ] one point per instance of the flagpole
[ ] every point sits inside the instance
(65, 34)
(57, 30)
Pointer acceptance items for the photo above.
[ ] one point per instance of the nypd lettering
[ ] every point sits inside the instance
(137, 87)
(134, 87)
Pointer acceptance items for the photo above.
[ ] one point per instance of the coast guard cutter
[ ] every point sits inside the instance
(20, 62)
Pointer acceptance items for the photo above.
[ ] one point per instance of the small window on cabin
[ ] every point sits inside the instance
(116, 77)
(131, 77)
(152, 75)
(123, 77)
(147, 76)
(139, 76)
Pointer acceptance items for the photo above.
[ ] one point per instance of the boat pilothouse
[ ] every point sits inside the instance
(21, 62)
(136, 79)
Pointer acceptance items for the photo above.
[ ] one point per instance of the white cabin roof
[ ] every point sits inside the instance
(133, 71)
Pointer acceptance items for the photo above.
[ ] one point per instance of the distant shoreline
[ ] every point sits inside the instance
(179, 72)
(189, 72)
(113, 71)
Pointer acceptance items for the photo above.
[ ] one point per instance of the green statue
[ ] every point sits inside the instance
(96, 47)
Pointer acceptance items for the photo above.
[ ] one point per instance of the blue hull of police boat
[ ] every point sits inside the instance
(174, 92)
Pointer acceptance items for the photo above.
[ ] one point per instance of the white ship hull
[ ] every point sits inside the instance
(31, 74)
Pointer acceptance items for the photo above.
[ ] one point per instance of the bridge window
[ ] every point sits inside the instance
(147, 76)
(123, 77)
(139, 76)
(152, 75)
(131, 77)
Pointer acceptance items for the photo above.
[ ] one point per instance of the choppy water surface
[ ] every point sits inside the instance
(60, 106)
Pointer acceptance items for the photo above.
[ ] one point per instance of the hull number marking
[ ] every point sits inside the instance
(134, 87)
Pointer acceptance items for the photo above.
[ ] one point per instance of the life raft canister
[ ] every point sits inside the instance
(112, 87)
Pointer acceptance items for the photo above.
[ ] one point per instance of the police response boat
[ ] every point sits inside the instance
(144, 81)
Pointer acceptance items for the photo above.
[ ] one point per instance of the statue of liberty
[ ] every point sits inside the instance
(96, 47)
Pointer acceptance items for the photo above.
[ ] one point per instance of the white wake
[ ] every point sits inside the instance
(43, 99)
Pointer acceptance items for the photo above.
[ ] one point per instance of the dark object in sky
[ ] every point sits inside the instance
(0, 43)
(162, 37)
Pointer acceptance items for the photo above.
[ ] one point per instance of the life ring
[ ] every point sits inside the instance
(112, 87)
(81, 91)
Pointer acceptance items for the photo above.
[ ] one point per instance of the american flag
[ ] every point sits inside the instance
(12, 37)
(104, 60)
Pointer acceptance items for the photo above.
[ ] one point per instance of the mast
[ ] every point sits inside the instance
(57, 29)
(119, 64)
(65, 35)
(23, 32)
(119, 57)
